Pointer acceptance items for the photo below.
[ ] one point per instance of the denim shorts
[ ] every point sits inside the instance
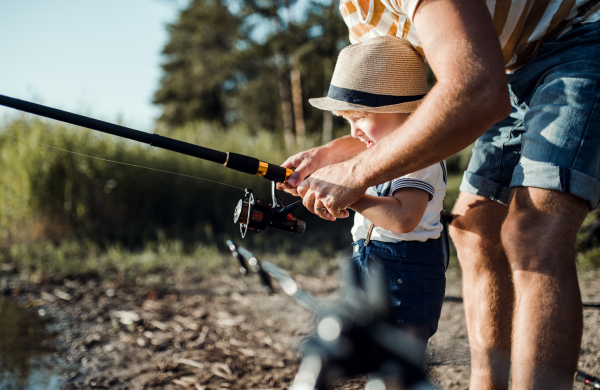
(416, 279)
(551, 139)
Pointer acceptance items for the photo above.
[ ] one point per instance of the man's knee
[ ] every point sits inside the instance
(475, 229)
(539, 226)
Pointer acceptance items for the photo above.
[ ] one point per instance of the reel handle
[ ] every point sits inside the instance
(291, 208)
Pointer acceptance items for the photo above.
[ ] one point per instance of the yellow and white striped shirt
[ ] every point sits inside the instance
(521, 24)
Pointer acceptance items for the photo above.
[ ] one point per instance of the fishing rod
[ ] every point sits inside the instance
(251, 213)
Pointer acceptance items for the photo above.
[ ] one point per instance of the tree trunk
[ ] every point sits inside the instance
(327, 126)
(298, 111)
(286, 111)
(327, 115)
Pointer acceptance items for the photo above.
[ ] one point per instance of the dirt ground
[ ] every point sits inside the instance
(224, 333)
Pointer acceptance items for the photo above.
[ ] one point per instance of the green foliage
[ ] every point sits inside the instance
(63, 213)
(200, 60)
(458, 163)
(225, 61)
(156, 264)
(588, 242)
(589, 258)
(49, 194)
(452, 191)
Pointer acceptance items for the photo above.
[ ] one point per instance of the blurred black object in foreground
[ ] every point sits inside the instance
(353, 336)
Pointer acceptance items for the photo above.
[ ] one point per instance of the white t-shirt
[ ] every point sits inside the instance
(431, 180)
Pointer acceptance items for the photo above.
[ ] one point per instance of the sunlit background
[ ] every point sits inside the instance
(232, 75)
(100, 58)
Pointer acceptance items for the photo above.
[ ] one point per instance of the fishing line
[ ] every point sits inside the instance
(122, 163)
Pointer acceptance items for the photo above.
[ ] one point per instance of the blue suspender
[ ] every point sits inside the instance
(383, 189)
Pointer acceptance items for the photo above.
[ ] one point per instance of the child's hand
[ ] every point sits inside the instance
(330, 190)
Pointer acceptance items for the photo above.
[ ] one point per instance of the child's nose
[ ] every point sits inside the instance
(356, 132)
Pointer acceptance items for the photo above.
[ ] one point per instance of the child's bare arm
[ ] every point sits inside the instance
(399, 214)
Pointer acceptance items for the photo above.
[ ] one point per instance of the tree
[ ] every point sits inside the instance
(200, 61)
(232, 61)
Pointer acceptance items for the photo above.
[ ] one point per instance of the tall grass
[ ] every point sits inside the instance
(64, 213)
(49, 194)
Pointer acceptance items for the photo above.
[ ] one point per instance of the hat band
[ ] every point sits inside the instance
(368, 99)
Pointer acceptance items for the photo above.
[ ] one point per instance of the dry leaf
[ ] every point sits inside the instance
(124, 337)
(47, 296)
(62, 295)
(186, 322)
(126, 317)
(148, 334)
(226, 319)
(267, 340)
(224, 367)
(247, 351)
(222, 370)
(189, 362)
(159, 325)
(150, 305)
(238, 343)
(200, 313)
(203, 335)
(240, 298)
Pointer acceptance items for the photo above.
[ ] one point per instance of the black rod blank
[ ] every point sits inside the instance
(76, 119)
(234, 161)
(189, 149)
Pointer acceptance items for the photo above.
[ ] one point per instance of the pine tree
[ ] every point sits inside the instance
(232, 61)
(200, 63)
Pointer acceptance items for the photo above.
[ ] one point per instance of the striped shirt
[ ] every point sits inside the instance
(521, 24)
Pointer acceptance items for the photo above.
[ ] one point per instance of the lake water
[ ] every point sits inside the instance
(27, 359)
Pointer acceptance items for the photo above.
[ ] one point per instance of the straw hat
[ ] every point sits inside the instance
(383, 74)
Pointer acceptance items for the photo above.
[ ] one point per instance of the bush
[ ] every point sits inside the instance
(49, 194)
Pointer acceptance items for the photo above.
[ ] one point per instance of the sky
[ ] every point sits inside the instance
(96, 58)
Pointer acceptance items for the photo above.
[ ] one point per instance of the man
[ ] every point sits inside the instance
(532, 179)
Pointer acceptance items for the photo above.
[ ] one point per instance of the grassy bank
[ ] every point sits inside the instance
(47, 194)
(158, 264)
(68, 214)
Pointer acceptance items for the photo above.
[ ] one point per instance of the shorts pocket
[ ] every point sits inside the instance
(434, 291)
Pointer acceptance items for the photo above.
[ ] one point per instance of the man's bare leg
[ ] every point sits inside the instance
(487, 288)
(539, 239)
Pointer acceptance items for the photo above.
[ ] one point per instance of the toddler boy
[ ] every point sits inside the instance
(375, 86)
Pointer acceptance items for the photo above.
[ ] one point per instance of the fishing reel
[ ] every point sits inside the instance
(256, 214)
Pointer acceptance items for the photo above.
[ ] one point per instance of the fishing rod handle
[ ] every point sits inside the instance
(254, 166)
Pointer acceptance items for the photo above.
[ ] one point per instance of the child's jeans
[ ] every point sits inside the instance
(416, 279)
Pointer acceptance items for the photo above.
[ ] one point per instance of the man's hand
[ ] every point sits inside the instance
(307, 162)
(304, 164)
(330, 190)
